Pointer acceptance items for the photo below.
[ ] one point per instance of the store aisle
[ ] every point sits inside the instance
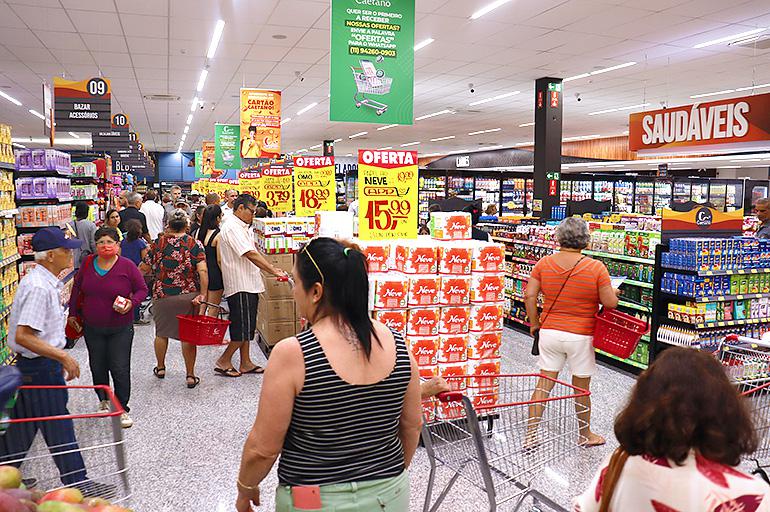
(185, 446)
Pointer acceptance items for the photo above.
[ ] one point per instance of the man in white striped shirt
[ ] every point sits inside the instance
(241, 264)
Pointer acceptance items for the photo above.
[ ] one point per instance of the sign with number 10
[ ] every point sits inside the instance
(314, 185)
(387, 194)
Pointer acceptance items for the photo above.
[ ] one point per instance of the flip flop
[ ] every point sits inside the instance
(256, 369)
(230, 372)
(156, 371)
(597, 441)
(196, 381)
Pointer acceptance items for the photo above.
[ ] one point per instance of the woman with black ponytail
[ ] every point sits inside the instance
(340, 402)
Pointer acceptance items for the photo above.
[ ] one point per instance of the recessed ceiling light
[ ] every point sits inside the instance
(279, 36)
(336, 140)
(730, 38)
(316, 146)
(189, 119)
(386, 127)
(618, 109)
(285, 120)
(194, 104)
(215, 37)
(385, 148)
(485, 131)
(202, 80)
(526, 124)
(434, 114)
(493, 98)
(422, 44)
(488, 8)
(410, 144)
(302, 111)
(443, 138)
(359, 134)
(36, 113)
(11, 99)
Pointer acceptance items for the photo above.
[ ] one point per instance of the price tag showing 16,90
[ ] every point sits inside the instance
(387, 194)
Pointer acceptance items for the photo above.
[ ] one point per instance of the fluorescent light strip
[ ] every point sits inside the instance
(336, 140)
(316, 146)
(36, 113)
(422, 44)
(443, 138)
(314, 104)
(11, 99)
(530, 143)
(202, 80)
(730, 38)
(17, 145)
(581, 137)
(488, 8)
(303, 150)
(359, 134)
(189, 119)
(386, 127)
(599, 71)
(526, 124)
(488, 148)
(215, 37)
(493, 98)
(194, 104)
(618, 109)
(434, 114)
(410, 144)
(728, 91)
(349, 154)
(485, 131)
(284, 121)
(186, 128)
(74, 135)
(385, 148)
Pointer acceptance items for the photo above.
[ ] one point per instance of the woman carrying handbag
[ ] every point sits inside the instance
(573, 287)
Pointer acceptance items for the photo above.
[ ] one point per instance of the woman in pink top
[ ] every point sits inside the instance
(685, 428)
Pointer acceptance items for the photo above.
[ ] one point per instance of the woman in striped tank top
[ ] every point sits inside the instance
(340, 402)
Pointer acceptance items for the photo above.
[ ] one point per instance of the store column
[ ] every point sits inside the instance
(548, 124)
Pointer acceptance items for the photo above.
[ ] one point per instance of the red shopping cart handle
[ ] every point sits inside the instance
(450, 396)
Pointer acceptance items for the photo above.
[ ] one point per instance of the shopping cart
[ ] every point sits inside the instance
(99, 438)
(370, 80)
(482, 432)
(747, 363)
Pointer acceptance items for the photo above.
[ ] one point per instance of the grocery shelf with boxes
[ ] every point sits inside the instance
(9, 254)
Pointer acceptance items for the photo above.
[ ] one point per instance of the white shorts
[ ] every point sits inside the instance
(559, 347)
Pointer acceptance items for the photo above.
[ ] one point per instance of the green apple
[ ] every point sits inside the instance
(58, 506)
(10, 477)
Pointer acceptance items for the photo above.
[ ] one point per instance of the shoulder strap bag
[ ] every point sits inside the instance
(614, 469)
(536, 336)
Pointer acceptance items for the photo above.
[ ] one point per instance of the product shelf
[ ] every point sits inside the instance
(722, 298)
(523, 277)
(623, 257)
(10, 259)
(629, 362)
(706, 273)
(7, 214)
(7, 167)
(517, 320)
(724, 323)
(520, 260)
(640, 284)
(639, 307)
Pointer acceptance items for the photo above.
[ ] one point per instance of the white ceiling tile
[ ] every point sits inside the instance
(89, 5)
(184, 62)
(9, 19)
(61, 40)
(297, 13)
(90, 22)
(293, 35)
(304, 55)
(137, 25)
(106, 43)
(145, 60)
(148, 45)
(315, 38)
(72, 56)
(121, 74)
(26, 54)
(112, 59)
(153, 7)
(267, 53)
(39, 18)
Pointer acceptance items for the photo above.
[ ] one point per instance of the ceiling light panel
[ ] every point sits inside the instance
(215, 38)
(730, 38)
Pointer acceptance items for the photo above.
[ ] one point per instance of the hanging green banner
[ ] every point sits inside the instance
(198, 172)
(227, 154)
(372, 61)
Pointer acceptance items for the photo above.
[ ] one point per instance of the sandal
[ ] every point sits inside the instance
(196, 381)
(256, 369)
(157, 372)
(230, 372)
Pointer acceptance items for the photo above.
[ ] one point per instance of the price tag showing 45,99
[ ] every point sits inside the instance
(387, 194)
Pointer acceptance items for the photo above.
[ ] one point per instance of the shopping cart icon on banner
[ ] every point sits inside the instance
(370, 80)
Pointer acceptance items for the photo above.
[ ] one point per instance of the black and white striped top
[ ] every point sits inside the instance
(341, 432)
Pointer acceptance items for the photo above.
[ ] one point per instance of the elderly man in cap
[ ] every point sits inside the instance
(36, 334)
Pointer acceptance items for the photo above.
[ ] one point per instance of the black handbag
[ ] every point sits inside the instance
(536, 337)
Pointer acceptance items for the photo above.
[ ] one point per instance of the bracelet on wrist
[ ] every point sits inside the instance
(244, 487)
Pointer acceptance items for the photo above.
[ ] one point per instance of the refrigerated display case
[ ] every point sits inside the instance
(603, 190)
(682, 191)
(460, 186)
(488, 190)
(663, 195)
(432, 187)
(643, 197)
(512, 192)
(624, 196)
(718, 195)
(700, 191)
(530, 195)
(734, 197)
(581, 190)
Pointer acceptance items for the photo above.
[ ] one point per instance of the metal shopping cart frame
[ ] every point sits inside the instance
(373, 85)
(501, 465)
(100, 442)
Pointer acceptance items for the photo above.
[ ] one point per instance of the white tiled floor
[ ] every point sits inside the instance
(185, 446)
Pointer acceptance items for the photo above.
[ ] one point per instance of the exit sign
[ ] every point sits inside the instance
(554, 87)
(553, 175)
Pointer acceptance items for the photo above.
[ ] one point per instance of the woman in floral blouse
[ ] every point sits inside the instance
(684, 430)
(178, 262)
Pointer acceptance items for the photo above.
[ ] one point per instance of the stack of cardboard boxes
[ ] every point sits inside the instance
(277, 316)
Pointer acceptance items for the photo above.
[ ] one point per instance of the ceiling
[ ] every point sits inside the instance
(151, 47)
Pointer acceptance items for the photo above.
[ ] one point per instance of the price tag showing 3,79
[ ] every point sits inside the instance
(277, 189)
(387, 194)
(314, 185)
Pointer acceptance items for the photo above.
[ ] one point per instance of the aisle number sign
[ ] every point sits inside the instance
(250, 182)
(387, 194)
(314, 185)
(260, 123)
(82, 106)
(276, 188)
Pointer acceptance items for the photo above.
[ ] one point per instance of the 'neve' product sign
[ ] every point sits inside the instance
(82, 106)
(736, 123)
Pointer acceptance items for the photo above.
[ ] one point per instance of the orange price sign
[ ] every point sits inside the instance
(387, 194)
(314, 184)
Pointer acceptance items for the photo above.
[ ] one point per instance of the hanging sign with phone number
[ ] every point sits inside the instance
(387, 194)
(314, 185)
(277, 188)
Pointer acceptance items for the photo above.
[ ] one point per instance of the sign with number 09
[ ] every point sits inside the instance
(314, 185)
(387, 194)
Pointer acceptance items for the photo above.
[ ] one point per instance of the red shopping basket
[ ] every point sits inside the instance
(201, 329)
(618, 333)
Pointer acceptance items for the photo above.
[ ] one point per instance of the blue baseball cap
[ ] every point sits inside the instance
(53, 238)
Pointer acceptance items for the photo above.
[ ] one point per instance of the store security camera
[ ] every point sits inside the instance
(470, 87)
(663, 105)
(578, 96)
(200, 105)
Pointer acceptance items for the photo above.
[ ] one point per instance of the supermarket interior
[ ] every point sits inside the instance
(448, 140)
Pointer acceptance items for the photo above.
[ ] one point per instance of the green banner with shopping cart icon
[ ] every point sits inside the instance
(372, 61)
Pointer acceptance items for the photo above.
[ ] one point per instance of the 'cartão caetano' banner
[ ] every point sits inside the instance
(372, 61)
(227, 155)
(314, 184)
(387, 194)
(277, 188)
(260, 123)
